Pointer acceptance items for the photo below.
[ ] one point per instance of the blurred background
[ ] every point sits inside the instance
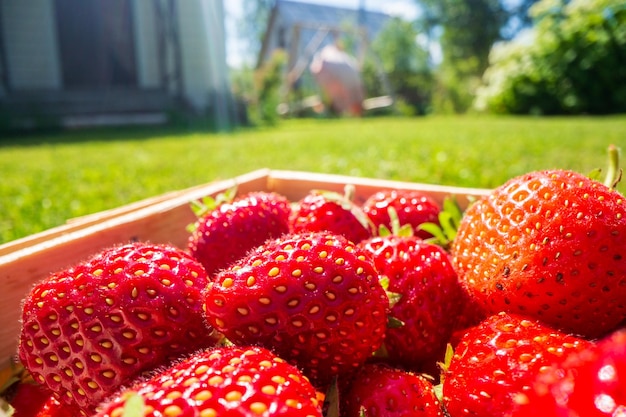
(107, 102)
(76, 63)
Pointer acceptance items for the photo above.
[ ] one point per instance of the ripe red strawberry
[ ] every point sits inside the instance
(550, 245)
(229, 381)
(589, 383)
(230, 229)
(320, 211)
(412, 207)
(470, 315)
(28, 399)
(381, 391)
(497, 361)
(93, 327)
(30, 404)
(422, 275)
(313, 298)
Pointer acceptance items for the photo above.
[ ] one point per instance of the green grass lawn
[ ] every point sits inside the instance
(47, 179)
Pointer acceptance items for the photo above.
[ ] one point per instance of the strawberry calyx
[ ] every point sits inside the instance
(397, 229)
(449, 220)
(331, 406)
(134, 405)
(443, 370)
(209, 203)
(15, 374)
(614, 172)
(394, 297)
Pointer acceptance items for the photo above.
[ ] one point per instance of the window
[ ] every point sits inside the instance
(96, 43)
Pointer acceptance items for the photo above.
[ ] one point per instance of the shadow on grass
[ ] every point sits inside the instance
(27, 138)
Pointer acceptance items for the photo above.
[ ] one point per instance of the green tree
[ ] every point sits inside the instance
(469, 28)
(572, 62)
(404, 62)
(255, 15)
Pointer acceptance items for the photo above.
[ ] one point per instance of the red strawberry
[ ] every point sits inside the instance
(320, 211)
(29, 398)
(93, 327)
(497, 361)
(412, 207)
(229, 381)
(382, 391)
(48, 407)
(422, 275)
(471, 314)
(313, 298)
(589, 383)
(550, 245)
(230, 229)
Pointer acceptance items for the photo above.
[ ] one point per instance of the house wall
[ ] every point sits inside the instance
(31, 49)
(201, 27)
(146, 44)
(30, 44)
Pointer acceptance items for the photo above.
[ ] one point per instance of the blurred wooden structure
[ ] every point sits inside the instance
(309, 33)
(89, 62)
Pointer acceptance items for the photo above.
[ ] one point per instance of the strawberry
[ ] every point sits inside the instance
(589, 383)
(49, 407)
(313, 298)
(497, 361)
(228, 381)
(550, 245)
(412, 207)
(382, 391)
(28, 399)
(228, 230)
(320, 211)
(90, 328)
(421, 274)
(471, 314)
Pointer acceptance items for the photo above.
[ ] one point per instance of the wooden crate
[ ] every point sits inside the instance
(161, 219)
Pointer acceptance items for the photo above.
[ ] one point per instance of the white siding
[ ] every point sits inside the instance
(31, 44)
(146, 44)
(201, 26)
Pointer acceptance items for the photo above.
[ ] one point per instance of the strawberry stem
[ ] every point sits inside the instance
(614, 173)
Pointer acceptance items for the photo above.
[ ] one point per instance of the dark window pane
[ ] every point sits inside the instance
(96, 43)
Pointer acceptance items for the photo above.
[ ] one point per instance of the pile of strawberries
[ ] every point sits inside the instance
(326, 307)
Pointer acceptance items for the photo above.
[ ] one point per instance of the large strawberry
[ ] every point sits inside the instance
(314, 298)
(227, 230)
(551, 245)
(228, 381)
(320, 211)
(412, 207)
(589, 383)
(429, 303)
(382, 391)
(88, 329)
(496, 362)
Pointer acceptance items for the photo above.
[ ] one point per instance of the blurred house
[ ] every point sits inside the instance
(94, 62)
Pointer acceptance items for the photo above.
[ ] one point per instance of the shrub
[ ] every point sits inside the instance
(573, 61)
